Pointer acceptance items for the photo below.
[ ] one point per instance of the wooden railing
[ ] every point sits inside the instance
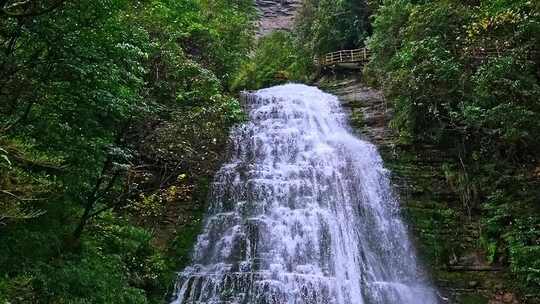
(344, 56)
(361, 56)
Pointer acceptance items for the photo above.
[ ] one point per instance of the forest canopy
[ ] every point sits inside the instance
(109, 111)
(114, 117)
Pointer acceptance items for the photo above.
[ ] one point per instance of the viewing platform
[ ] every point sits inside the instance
(345, 58)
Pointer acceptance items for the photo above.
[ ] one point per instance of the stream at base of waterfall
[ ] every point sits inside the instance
(302, 213)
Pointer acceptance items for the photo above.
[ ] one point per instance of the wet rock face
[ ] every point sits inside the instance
(446, 238)
(369, 111)
(276, 15)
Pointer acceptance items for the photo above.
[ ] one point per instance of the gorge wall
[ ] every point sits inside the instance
(276, 15)
(447, 238)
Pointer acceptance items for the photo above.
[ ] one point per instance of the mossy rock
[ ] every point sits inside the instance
(472, 299)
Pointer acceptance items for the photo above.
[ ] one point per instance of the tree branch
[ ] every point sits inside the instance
(5, 10)
(17, 4)
(8, 193)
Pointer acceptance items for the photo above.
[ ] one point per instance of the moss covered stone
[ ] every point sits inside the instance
(447, 237)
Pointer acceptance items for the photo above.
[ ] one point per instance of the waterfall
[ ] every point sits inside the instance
(302, 213)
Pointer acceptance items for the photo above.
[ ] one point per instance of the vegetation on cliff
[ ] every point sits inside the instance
(113, 115)
(321, 26)
(463, 80)
(278, 57)
(464, 77)
(327, 25)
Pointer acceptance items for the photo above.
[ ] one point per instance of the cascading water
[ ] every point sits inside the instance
(301, 214)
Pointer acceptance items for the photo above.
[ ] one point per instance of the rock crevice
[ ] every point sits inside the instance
(275, 15)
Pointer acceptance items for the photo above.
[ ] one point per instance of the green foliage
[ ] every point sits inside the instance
(321, 26)
(423, 60)
(420, 70)
(506, 103)
(214, 33)
(278, 58)
(388, 35)
(116, 264)
(110, 111)
(465, 77)
(182, 244)
(512, 231)
(22, 192)
(328, 25)
(524, 249)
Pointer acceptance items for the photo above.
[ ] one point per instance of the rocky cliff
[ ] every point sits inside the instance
(276, 15)
(447, 237)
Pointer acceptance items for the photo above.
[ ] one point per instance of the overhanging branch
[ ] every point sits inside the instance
(8, 10)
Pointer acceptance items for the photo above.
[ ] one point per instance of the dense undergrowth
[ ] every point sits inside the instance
(113, 116)
(277, 58)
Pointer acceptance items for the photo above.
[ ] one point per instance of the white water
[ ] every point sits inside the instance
(302, 213)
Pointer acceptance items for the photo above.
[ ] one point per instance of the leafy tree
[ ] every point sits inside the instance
(278, 58)
(326, 26)
(104, 104)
